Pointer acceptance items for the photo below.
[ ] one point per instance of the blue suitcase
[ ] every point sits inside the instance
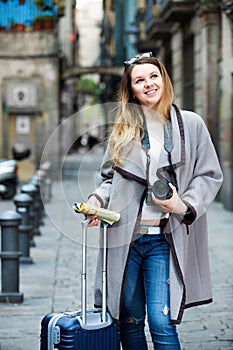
(92, 329)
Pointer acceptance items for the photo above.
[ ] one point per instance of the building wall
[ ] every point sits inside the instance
(176, 49)
(30, 57)
(226, 110)
(198, 66)
(213, 82)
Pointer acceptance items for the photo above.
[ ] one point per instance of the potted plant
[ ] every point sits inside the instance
(48, 22)
(43, 22)
(12, 25)
(36, 26)
(19, 27)
(61, 8)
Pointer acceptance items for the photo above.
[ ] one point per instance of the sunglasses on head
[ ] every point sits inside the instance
(133, 59)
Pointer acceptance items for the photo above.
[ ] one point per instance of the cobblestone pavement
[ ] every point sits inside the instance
(210, 327)
(52, 282)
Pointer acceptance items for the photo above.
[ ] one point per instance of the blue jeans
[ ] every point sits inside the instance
(147, 283)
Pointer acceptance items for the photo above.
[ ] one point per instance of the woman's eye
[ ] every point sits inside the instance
(139, 81)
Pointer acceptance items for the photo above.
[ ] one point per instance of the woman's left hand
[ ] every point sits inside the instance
(173, 205)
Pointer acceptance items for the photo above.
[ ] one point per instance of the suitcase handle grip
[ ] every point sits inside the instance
(85, 224)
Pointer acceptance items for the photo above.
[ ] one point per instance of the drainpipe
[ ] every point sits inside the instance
(131, 30)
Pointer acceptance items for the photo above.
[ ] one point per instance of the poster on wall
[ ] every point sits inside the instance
(23, 124)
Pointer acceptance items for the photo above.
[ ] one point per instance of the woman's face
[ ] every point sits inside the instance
(147, 84)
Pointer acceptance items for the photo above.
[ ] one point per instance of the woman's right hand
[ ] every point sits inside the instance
(94, 202)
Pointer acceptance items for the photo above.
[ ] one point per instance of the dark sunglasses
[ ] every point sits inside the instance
(133, 59)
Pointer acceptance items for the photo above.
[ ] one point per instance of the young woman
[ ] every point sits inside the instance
(157, 253)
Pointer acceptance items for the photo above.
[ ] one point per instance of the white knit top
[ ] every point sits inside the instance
(156, 138)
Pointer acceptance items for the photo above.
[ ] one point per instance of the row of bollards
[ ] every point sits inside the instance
(18, 229)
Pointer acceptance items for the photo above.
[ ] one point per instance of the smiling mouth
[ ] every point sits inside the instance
(150, 92)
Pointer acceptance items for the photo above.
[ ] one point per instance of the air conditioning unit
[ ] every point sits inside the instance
(22, 96)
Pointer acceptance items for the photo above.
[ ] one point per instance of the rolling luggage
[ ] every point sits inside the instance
(91, 329)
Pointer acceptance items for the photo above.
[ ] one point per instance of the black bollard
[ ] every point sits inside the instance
(10, 255)
(35, 180)
(41, 176)
(32, 191)
(47, 193)
(47, 190)
(23, 202)
(37, 206)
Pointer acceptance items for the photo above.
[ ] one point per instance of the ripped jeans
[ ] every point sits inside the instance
(147, 283)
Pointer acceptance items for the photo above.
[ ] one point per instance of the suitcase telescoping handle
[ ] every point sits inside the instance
(84, 271)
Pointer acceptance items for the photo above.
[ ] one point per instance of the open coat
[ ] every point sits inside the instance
(123, 189)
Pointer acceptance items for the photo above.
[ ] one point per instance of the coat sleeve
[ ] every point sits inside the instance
(104, 180)
(206, 178)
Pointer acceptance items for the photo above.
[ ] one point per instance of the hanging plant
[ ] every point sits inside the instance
(61, 5)
(42, 5)
(39, 2)
(61, 8)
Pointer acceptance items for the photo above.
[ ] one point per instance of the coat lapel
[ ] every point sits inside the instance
(133, 167)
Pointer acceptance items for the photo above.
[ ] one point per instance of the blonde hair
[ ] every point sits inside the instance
(128, 125)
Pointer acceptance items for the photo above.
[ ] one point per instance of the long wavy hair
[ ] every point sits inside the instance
(128, 126)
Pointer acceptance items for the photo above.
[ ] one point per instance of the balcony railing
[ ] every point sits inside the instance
(29, 15)
(165, 10)
(176, 10)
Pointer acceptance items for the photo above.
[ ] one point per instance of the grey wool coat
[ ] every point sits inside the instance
(123, 189)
